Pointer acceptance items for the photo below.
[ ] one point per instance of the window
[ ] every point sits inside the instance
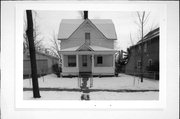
(99, 60)
(150, 62)
(87, 38)
(145, 47)
(84, 60)
(139, 48)
(72, 61)
(139, 64)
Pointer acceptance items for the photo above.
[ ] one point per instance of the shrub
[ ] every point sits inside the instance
(56, 69)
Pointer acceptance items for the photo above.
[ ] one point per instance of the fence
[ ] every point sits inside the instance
(151, 75)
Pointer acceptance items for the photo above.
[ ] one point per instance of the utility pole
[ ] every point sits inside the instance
(32, 51)
(142, 47)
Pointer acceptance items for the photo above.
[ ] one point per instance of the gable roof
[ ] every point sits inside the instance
(150, 35)
(68, 26)
(84, 47)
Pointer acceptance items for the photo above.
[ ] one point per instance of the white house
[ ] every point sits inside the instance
(87, 46)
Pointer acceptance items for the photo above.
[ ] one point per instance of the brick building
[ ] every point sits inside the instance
(150, 56)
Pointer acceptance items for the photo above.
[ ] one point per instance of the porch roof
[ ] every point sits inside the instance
(93, 47)
(94, 50)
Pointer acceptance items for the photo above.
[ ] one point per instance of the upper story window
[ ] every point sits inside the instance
(139, 48)
(87, 38)
(145, 47)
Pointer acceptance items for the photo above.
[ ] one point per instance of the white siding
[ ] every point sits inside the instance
(103, 71)
(107, 61)
(78, 38)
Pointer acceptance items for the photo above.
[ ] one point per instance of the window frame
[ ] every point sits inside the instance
(149, 60)
(71, 60)
(84, 60)
(139, 64)
(99, 60)
(87, 37)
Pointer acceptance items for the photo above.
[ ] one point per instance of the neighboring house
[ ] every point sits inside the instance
(150, 56)
(44, 63)
(87, 46)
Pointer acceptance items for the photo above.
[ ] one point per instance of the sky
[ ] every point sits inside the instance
(124, 21)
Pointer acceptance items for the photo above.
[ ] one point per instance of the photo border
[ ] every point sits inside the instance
(69, 6)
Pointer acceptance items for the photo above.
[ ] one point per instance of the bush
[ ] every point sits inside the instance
(56, 69)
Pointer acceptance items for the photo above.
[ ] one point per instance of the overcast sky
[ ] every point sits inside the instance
(49, 21)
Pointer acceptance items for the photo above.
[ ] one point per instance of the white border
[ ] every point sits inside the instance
(107, 6)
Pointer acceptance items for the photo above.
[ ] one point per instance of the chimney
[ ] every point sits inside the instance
(85, 14)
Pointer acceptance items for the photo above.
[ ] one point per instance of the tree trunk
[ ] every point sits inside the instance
(29, 33)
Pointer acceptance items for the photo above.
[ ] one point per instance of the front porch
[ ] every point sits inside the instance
(88, 59)
(97, 64)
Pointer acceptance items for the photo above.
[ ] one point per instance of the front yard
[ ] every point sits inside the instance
(124, 87)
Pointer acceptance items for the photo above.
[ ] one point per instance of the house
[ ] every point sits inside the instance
(44, 63)
(150, 56)
(87, 46)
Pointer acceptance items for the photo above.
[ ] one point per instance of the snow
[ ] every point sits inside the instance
(123, 82)
(124, 96)
(66, 95)
(54, 95)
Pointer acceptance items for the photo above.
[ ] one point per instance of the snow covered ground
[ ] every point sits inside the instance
(66, 95)
(123, 82)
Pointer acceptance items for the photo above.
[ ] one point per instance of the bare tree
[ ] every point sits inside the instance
(142, 20)
(36, 34)
(30, 38)
(55, 47)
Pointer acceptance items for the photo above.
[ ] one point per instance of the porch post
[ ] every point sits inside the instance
(92, 62)
(114, 61)
(62, 58)
(77, 61)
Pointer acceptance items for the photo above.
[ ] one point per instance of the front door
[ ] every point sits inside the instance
(85, 63)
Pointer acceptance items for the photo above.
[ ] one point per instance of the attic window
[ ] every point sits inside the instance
(87, 38)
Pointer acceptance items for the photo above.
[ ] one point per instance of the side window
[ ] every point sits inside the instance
(145, 47)
(139, 48)
(149, 62)
(139, 64)
(99, 60)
